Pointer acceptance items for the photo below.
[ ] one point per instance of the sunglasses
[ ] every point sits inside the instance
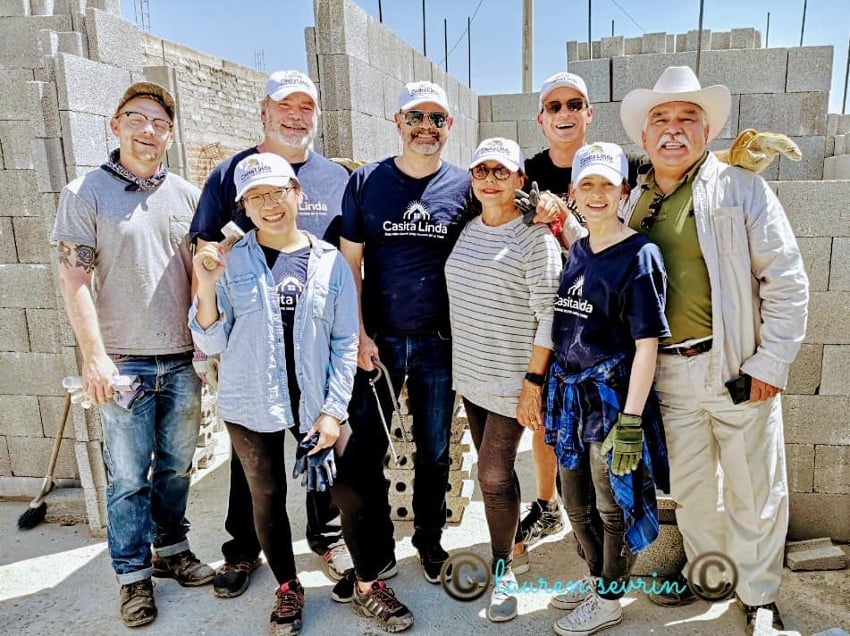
(575, 105)
(648, 222)
(416, 117)
(480, 172)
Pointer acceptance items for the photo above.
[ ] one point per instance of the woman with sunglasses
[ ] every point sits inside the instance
(282, 312)
(502, 277)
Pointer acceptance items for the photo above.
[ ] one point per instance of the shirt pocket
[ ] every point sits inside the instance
(730, 230)
(322, 302)
(245, 295)
(178, 228)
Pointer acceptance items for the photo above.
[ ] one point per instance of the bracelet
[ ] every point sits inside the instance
(537, 379)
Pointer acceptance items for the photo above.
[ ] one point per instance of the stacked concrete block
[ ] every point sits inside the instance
(612, 46)
(654, 43)
(794, 114)
(642, 71)
(744, 38)
(597, 75)
(814, 554)
(112, 40)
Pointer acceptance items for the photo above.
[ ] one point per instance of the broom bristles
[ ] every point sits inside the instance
(32, 516)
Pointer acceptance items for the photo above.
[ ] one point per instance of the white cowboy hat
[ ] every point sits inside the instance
(676, 84)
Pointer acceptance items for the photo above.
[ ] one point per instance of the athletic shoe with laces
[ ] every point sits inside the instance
(137, 604)
(286, 616)
(575, 595)
(751, 612)
(184, 567)
(540, 522)
(381, 605)
(503, 604)
(593, 615)
(232, 577)
(676, 593)
(432, 557)
(343, 591)
(337, 560)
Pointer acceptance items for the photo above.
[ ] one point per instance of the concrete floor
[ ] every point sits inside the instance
(58, 580)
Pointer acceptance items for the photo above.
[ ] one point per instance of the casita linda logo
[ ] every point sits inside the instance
(416, 221)
(573, 303)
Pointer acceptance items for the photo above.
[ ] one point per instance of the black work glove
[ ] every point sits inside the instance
(318, 471)
(526, 202)
(626, 438)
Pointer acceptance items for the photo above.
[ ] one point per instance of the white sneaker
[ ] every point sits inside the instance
(503, 606)
(593, 615)
(575, 595)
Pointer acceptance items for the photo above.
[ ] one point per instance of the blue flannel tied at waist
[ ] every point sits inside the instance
(569, 398)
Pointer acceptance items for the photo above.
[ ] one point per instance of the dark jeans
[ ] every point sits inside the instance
(323, 526)
(361, 490)
(262, 461)
(496, 440)
(598, 522)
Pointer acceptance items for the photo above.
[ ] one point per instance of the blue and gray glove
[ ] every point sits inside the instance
(318, 471)
(626, 438)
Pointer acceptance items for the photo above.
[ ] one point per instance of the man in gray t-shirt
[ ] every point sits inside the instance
(125, 275)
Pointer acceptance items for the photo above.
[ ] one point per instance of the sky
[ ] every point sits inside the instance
(236, 31)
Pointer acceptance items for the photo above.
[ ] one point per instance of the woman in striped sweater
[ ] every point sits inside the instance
(502, 279)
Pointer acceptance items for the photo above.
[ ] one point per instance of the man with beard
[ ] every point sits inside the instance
(400, 219)
(289, 113)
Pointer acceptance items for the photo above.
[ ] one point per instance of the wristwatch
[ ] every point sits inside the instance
(536, 379)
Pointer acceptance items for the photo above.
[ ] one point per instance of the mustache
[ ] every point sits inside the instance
(678, 138)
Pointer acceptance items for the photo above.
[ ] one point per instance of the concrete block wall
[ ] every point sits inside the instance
(836, 165)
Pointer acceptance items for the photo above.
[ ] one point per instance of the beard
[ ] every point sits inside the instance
(425, 144)
(295, 138)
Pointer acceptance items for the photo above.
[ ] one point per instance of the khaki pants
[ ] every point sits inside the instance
(727, 473)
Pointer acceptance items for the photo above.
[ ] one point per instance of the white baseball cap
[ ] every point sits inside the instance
(281, 84)
(264, 168)
(569, 80)
(416, 93)
(604, 159)
(501, 150)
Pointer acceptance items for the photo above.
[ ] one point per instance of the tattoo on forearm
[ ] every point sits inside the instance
(85, 258)
(64, 253)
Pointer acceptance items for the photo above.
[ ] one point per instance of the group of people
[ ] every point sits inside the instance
(603, 311)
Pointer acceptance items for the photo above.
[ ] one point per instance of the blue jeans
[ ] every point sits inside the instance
(148, 454)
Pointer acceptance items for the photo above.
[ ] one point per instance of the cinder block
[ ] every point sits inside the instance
(839, 271)
(31, 235)
(31, 373)
(110, 6)
(389, 53)
(506, 129)
(816, 253)
(633, 46)
(66, 506)
(694, 39)
(810, 419)
(13, 102)
(810, 167)
(72, 43)
(597, 76)
(16, 139)
(13, 333)
(836, 362)
(43, 327)
(839, 145)
(8, 250)
(10, 8)
(27, 286)
(20, 38)
(43, 107)
(809, 69)
(572, 51)
(85, 140)
(832, 470)
(421, 68)
(742, 38)
(485, 109)
(837, 168)
(642, 71)
(515, 107)
(19, 416)
(51, 410)
(606, 124)
(734, 69)
(595, 50)
(809, 518)
(794, 114)
(654, 43)
(89, 87)
(392, 88)
(5, 461)
(805, 203)
(805, 375)
(583, 51)
(49, 164)
(814, 554)
(113, 40)
(828, 313)
(354, 81)
(800, 461)
(681, 42)
(529, 137)
(612, 46)
(342, 28)
(720, 41)
(29, 457)
(842, 124)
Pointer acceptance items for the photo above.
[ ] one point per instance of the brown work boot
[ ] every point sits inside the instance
(137, 604)
(184, 567)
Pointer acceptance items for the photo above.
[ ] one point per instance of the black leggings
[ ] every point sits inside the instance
(261, 456)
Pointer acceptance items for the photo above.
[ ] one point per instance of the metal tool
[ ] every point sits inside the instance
(373, 382)
(232, 233)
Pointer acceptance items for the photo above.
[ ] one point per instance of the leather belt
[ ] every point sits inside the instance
(687, 352)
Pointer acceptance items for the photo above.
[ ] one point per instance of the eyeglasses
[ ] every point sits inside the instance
(138, 121)
(575, 105)
(481, 171)
(416, 117)
(648, 222)
(257, 201)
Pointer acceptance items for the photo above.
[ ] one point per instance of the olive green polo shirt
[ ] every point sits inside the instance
(668, 221)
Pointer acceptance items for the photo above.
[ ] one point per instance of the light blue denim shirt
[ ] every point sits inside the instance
(252, 387)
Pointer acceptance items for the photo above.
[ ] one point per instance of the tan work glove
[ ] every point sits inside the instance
(349, 164)
(755, 151)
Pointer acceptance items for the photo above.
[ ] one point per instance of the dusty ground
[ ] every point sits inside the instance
(58, 580)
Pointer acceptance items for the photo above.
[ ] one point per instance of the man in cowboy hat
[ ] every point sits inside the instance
(737, 299)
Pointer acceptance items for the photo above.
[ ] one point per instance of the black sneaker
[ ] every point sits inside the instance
(432, 558)
(678, 593)
(541, 522)
(286, 616)
(343, 591)
(381, 604)
(184, 567)
(751, 612)
(232, 577)
(137, 604)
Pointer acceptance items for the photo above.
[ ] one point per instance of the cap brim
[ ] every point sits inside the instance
(413, 103)
(284, 92)
(271, 180)
(510, 165)
(605, 172)
(715, 101)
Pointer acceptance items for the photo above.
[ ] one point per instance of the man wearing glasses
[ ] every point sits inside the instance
(289, 113)
(400, 219)
(125, 273)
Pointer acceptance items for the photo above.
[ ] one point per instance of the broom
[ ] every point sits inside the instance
(34, 515)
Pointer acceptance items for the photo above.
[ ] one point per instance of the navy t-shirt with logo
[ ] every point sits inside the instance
(408, 227)
(608, 300)
(322, 184)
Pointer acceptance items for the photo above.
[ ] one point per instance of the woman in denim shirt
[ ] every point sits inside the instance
(283, 314)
